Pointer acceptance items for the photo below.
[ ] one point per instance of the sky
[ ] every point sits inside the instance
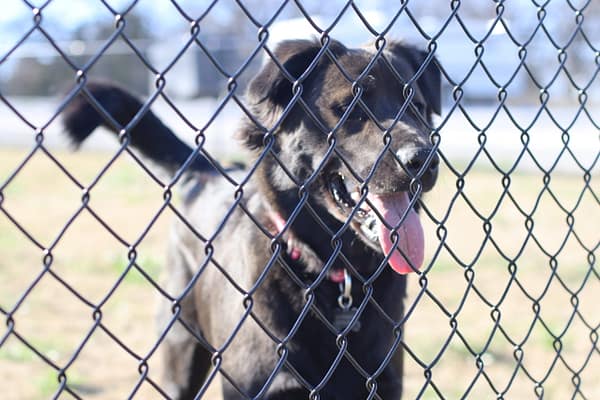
(62, 17)
(66, 15)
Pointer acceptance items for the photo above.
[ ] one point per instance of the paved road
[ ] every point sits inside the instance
(459, 137)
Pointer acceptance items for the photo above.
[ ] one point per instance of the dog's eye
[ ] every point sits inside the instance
(357, 114)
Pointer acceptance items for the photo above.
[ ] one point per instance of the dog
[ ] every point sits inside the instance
(288, 277)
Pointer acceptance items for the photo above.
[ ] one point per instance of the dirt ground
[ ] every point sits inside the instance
(510, 298)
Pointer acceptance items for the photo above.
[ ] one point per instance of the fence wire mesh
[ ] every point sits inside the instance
(505, 305)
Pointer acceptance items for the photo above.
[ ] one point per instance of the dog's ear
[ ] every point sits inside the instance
(429, 83)
(272, 85)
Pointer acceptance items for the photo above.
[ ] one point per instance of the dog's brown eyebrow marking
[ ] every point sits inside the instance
(344, 103)
(368, 82)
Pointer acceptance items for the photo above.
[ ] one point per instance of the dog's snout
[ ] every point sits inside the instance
(413, 159)
(417, 160)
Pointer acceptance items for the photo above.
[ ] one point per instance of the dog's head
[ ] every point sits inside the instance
(377, 122)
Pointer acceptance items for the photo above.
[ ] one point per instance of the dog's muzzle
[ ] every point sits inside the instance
(419, 163)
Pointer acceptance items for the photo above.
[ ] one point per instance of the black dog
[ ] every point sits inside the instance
(290, 292)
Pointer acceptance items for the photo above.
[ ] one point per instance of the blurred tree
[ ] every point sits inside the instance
(37, 75)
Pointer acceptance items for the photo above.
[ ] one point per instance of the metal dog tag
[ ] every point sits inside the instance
(342, 318)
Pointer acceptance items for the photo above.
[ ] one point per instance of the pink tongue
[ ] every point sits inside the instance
(411, 239)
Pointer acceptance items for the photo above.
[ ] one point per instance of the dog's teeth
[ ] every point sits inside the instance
(369, 234)
(372, 222)
(369, 226)
(336, 196)
(347, 186)
(339, 190)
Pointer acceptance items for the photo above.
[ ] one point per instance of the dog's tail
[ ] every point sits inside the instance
(149, 135)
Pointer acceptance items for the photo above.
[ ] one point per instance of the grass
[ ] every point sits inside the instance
(150, 266)
(18, 352)
(524, 279)
(48, 383)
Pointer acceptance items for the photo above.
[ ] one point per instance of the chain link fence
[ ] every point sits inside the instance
(505, 305)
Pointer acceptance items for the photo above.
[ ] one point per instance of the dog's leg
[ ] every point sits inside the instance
(186, 365)
(396, 375)
(186, 362)
(390, 382)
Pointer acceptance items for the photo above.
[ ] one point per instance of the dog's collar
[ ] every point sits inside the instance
(294, 249)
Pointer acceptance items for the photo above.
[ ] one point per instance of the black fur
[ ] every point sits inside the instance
(149, 134)
(215, 306)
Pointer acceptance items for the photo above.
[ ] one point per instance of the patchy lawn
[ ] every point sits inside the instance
(507, 297)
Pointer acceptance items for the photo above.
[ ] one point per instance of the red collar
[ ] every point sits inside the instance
(336, 275)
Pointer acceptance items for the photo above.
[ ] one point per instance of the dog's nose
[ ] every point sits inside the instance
(413, 160)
